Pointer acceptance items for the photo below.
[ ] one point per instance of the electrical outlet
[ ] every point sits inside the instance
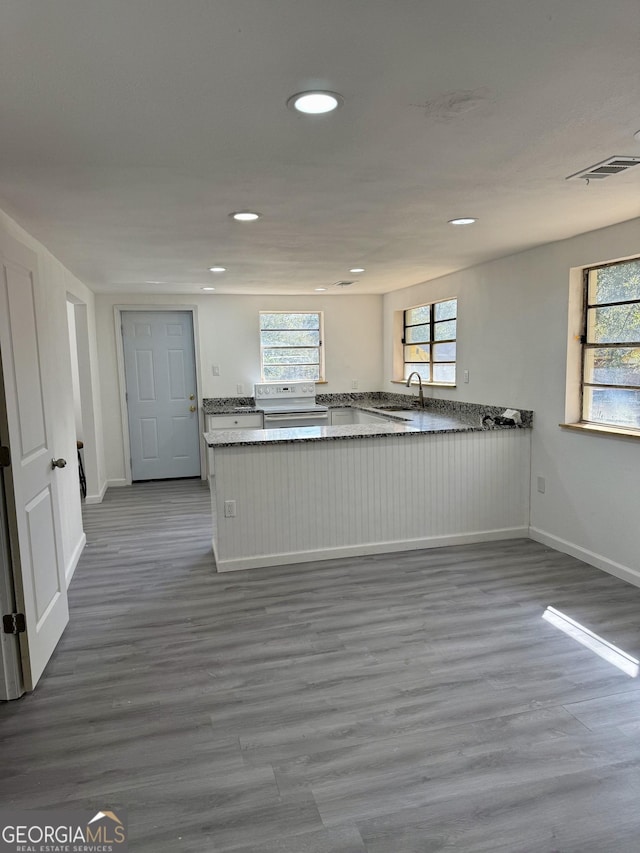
(466, 376)
(542, 485)
(240, 389)
(229, 509)
(215, 369)
(354, 384)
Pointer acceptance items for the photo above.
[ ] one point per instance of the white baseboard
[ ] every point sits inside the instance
(362, 550)
(114, 484)
(97, 499)
(73, 562)
(625, 573)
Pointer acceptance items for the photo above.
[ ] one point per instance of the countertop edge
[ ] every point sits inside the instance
(229, 438)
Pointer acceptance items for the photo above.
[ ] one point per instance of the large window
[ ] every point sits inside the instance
(291, 345)
(611, 345)
(429, 341)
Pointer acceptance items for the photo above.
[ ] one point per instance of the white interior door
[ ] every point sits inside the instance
(31, 493)
(164, 424)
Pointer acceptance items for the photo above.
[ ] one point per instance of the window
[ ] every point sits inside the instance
(429, 341)
(611, 345)
(291, 346)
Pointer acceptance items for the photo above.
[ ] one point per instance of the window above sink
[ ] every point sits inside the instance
(429, 342)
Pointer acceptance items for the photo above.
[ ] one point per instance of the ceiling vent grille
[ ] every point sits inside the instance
(612, 166)
(343, 283)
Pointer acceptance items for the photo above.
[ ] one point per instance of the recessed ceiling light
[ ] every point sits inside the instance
(207, 288)
(319, 289)
(463, 220)
(357, 269)
(316, 102)
(217, 269)
(245, 215)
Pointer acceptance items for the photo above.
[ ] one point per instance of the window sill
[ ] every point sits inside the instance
(424, 384)
(619, 432)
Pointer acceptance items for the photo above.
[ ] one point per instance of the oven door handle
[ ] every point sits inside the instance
(298, 416)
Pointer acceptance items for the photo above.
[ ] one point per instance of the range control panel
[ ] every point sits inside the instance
(284, 391)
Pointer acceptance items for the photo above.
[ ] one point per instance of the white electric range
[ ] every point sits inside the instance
(290, 404)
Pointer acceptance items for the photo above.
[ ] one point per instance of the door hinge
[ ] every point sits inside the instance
(5, 457)
(126, 396)
(14, 623)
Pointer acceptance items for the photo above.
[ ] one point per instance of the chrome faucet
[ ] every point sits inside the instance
(420, 392)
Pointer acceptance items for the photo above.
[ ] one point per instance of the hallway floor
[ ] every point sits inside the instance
(404, 703)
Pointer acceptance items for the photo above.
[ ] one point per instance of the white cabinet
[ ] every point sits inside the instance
(249, 420)
(369, 418)
(340, 417)
(236, 420)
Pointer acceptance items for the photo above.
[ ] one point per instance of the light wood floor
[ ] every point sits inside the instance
(406, 703)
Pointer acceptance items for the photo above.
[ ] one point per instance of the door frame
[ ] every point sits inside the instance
(118, 310)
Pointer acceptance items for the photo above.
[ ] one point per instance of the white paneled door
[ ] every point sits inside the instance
(30, 478)
(159, 363)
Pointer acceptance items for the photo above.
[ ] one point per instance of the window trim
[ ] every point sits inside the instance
(585, 346)
(431, 342)
(320, 346)
(600, 429)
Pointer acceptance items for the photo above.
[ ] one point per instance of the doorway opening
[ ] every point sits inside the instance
(94, 485)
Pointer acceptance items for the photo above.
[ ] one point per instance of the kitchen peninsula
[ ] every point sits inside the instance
(403, 479)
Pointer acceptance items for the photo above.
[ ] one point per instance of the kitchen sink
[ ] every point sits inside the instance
(396, 409)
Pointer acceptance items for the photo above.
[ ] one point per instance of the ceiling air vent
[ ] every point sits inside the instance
(612, 166)
(343, 283)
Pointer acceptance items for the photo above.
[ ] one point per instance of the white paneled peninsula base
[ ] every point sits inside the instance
(293, 500)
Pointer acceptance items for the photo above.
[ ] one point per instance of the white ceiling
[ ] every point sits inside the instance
(129, 129)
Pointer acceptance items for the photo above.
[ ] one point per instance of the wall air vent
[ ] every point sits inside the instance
(343, 283)
(612, 166)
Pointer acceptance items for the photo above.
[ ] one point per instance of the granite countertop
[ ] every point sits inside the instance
(246, 437)
(229, 406)
(407, 423)
(438, 416)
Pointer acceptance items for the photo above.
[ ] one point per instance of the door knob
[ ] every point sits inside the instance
(192, 396)
(192, 408)
(58, 463)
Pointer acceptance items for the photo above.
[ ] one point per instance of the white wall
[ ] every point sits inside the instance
(55, 282)
(228, 336)
(513, 337)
